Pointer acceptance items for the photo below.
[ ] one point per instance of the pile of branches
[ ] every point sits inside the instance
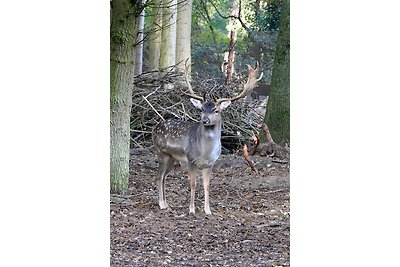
(154, 100)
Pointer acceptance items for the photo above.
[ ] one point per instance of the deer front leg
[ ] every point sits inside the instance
(206, 183)
(192, 175)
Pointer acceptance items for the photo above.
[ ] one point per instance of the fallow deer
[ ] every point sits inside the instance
(196, 143)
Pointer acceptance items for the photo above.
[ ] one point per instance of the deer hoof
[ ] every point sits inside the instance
(163, 205)
(192, 210)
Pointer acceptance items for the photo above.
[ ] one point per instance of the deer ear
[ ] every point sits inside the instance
(197, 103)
(224, 104)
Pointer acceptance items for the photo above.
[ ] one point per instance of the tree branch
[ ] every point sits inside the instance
(238, 17)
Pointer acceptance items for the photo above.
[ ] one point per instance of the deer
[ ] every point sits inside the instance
(196, 143)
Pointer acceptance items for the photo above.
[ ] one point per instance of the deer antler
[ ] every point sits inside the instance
(250, 84)
(191, 92)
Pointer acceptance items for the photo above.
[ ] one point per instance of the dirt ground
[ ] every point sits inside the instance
(249, 225)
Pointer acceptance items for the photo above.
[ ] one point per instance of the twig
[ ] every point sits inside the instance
(170, 112)
(153, 108)
(280, 161)
(139, 131)
(134, 141)
(152, 92)
(274, 191)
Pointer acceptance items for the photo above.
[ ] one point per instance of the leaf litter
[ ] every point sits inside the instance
(249, 225)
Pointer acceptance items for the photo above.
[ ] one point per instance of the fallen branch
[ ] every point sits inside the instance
(267, 133)
(247, 158)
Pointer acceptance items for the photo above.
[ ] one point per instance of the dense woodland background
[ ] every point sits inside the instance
(151, 40)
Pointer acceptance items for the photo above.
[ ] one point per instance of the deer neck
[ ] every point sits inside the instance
(205, 146)
(210, 133)
(210, 141)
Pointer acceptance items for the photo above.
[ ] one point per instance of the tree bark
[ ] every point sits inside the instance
(168, 37)
(183, 34)
(121, 85)
(155, 36)
(139, 41)
(277, 116)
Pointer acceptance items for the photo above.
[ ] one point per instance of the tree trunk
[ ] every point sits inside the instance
(168, 37)
(183, 34)
(277, 116)
(139, 41)
(121, 86)
(155, 36)
(231, 57)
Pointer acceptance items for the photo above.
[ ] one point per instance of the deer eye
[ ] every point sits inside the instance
(216, 111)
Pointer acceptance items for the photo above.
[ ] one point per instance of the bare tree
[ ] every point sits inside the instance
(139, 38)
(183, 34)
(155, 35)
(168, 37)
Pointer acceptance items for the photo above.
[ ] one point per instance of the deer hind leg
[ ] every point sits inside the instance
(192, 175)
(166, 165)
(206, 173)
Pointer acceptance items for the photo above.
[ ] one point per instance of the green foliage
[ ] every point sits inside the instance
(265, 16)
(149, 18)
(269, 20)
(206, 58)
(254, 41)
(207, 25)
(210, 35)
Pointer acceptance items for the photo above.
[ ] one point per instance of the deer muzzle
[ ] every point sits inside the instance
(206, 120)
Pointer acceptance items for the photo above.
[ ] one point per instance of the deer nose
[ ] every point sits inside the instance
(205, 120)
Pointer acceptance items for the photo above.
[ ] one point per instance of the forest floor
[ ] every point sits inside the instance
(249, 225)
